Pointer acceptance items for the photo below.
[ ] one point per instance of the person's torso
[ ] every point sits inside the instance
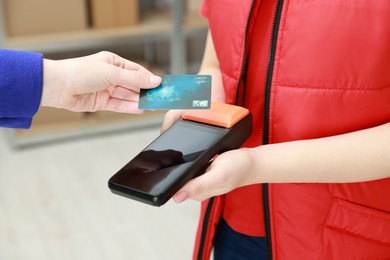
(330, 75)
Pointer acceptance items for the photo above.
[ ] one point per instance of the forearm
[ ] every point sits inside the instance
(217, 91)
(210, 66)
(353, 157)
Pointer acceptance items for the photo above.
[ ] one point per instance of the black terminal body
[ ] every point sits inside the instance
(181, 153)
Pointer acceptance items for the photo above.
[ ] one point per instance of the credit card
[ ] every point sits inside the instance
(178, 92)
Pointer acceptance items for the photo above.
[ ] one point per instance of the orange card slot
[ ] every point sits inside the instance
(220, 114)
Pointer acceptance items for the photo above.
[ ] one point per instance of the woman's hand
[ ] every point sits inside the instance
(103, 81)
(228, 171)
(358, 156)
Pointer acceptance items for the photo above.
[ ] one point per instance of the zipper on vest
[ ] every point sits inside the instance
(239, 100)
(240, 93)
(205, 228)
(267, 96)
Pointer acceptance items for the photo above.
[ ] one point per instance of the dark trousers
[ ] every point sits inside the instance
(231, 245)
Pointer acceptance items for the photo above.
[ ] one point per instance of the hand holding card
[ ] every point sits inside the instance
(178, 92)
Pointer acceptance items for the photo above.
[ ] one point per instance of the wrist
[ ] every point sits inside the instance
(50, 95)
(253, 162)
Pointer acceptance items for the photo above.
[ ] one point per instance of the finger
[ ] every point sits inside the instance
(128, 65)
(170, 118)
(124, 94)
(122, 106)
(138, 79)
(201, 188)
(133, 89)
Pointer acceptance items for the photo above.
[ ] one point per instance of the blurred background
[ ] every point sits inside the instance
(54, 199)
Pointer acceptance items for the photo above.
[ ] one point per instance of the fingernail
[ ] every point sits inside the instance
(180, 197)
(155, 80)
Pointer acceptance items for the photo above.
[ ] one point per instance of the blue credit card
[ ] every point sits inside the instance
(178, 92)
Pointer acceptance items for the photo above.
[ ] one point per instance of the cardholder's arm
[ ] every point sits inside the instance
(220, 114)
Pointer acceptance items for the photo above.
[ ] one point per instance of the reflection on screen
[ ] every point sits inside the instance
(167, 158)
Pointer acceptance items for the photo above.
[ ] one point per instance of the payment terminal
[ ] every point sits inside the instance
(181, 153)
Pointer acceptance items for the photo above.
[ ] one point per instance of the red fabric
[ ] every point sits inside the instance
(329, 79)
(209, 231)
(331, 76)
(222, 34)
(248, 218)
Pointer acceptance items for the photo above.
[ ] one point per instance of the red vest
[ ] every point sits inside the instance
(328, 73)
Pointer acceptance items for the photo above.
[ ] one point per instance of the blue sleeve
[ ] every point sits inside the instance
(21, 81)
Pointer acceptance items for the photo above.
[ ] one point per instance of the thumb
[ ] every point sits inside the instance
(138, 79)
(200, 188)
(183, 194)
(170, 118)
